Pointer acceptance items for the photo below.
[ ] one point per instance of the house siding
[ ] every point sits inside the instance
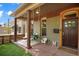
(52, 23)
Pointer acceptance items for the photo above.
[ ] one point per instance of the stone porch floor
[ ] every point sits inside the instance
(47, 50)
(23, 42)
(39, 49)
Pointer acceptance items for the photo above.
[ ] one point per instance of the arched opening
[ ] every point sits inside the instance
(69, 28)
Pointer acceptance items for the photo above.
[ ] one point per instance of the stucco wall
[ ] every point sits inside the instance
(24, 26)
(22, 23)
(52, 23)
(36, 27)
(25, 22)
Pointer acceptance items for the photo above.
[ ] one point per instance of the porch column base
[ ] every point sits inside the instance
(29, 47)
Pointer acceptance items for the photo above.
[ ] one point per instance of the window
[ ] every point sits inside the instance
(19, 29)
(43, 31)
(44, 27)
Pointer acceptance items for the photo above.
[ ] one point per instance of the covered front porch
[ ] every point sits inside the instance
(39, 49)
(46, 21)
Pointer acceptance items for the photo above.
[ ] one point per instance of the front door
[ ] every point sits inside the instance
(70, 32)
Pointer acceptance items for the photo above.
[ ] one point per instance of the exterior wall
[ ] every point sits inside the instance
(25, 22)
(23, 25)
(20, 24)
(52, 23)
(36, 27)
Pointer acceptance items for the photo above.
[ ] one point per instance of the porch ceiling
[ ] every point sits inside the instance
(54, 9)
(46, 10)
(24, 8)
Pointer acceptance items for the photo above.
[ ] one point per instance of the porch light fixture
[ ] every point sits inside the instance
(32, 22)
(37, 12)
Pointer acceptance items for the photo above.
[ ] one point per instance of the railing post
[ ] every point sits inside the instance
(10, 39)
(3, 40)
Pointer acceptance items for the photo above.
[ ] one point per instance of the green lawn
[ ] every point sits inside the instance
(12, 50)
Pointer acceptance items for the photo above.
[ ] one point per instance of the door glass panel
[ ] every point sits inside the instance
(73, 21)
(66, 25)
(69, 25)
(73, 24)
(69, 21)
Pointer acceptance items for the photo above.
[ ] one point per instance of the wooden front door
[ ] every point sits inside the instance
(70, 32)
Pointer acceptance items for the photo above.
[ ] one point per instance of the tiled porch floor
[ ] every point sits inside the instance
(24, 42)
(46, 50)
(39, 49)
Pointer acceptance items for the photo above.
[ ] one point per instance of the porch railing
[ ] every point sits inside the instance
(6, 38)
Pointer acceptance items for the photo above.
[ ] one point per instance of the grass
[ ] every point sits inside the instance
(11, 49)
